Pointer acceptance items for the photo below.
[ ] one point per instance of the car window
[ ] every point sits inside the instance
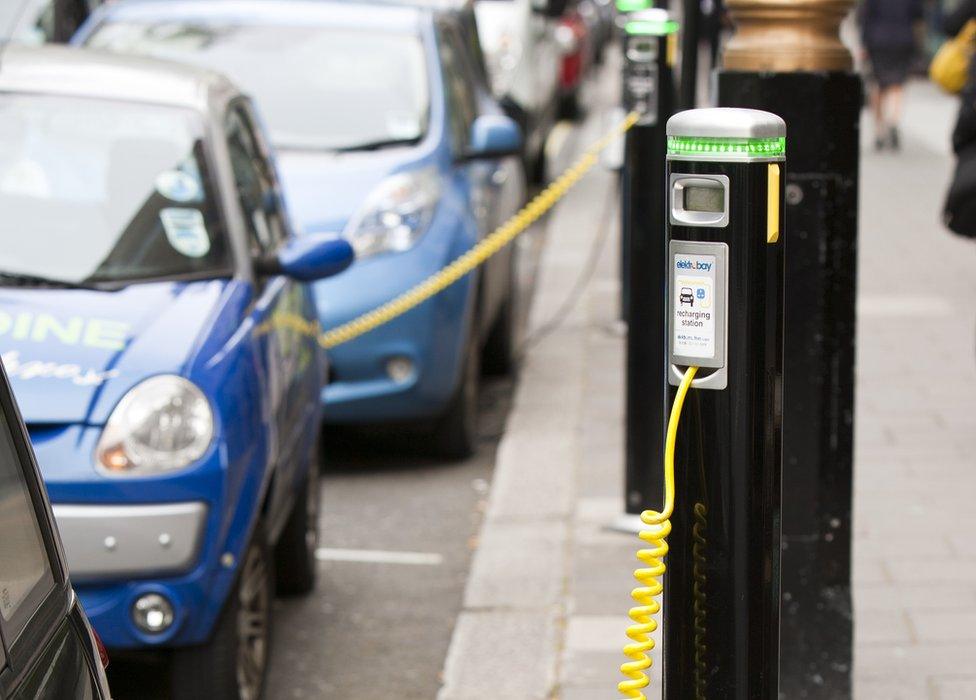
(119, 189)
(26, 576)
(255, 184)
(458, 87)
(319, 87)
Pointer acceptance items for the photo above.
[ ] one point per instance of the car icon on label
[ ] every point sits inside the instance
(686, 296)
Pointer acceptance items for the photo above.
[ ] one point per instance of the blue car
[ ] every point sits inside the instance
(387, 134)
(162, 341)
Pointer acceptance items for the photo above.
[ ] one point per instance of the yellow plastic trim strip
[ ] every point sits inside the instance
(772, 215)
(672, 49)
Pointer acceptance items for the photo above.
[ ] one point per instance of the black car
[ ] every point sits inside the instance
(47, 648)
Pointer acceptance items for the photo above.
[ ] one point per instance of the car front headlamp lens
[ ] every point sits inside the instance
(163, 424)
(396, 214)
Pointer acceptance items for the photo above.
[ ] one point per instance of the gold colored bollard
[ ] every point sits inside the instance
(786, 36)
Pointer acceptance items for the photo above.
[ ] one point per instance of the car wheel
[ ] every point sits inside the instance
(456, 433)
(233, 664)
(499, 358)
(295, 565)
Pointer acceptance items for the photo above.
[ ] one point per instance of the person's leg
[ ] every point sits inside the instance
(895, 99)
(877, 109)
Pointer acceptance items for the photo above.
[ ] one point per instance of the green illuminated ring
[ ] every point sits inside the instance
(642, 27)
(634, 5)
(727, 148)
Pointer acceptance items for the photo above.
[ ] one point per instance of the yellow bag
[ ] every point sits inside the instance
(950, 67)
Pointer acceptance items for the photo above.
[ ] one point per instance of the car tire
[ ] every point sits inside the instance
(295, 564)
(233, 664)
(499, 355)
(455, 435)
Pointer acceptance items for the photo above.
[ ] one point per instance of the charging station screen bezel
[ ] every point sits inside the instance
(682, 216)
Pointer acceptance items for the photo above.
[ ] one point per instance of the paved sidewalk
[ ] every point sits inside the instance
(545, 606)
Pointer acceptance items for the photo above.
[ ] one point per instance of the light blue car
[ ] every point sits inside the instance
(387, 134)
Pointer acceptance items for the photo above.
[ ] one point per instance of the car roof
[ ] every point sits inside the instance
(56, 70)
(373, 14)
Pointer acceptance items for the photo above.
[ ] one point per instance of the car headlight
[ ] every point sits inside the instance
(503, 64)
(163, 424)
(396, 214)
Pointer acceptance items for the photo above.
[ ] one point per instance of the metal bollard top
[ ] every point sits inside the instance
(726, 134)
(654, 22)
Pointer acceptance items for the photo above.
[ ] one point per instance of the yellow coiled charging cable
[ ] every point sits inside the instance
(649, 576)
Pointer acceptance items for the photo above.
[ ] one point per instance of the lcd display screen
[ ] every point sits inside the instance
(704, 199)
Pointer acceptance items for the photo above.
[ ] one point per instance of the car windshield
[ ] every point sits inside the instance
(96, 191)
(318, 87)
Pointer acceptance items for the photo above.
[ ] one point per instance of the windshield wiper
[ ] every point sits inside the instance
(18, 279)
(377, 145)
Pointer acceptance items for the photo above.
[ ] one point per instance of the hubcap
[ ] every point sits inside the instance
(253, 617)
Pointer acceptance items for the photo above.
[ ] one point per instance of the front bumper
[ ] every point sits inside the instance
(431, 336)
(203, 513)
(110, 541)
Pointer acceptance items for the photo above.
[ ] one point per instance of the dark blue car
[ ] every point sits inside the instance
(162, 342)
(387, 134)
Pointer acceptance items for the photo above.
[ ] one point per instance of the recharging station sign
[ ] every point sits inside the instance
(698, 293)
(694, 310)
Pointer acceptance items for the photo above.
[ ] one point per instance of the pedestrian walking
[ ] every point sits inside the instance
(888, 39)
(964, 133)
(959, 212)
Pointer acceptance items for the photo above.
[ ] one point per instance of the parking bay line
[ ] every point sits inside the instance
(379, 556)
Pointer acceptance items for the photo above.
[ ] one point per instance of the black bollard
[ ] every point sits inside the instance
(787, 57)
(649, 89)
(818, 420)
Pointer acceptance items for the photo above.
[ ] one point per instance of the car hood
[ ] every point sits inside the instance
(71, 354)
(323, 190)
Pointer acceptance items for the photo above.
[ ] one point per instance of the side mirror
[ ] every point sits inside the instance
(549, 8)
(309, 258)
(494, 136)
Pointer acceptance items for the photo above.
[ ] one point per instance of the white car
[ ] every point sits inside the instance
(518, 38)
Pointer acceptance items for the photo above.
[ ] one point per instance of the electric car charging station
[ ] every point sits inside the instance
(716, 541)
(723, 465)
(648, 91)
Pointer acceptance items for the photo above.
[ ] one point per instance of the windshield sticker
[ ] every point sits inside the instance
(74, 330)
(37, 369)
(179, 186)
(186, 231)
